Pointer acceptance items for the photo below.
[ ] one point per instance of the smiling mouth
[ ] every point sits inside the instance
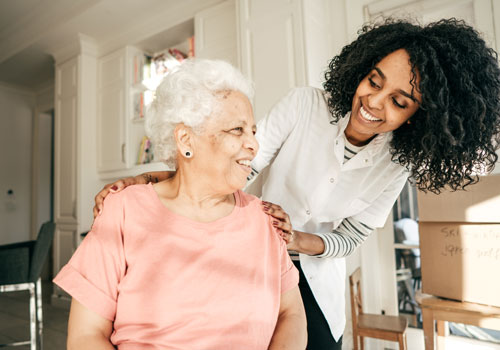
(367, 116)
(246, 164)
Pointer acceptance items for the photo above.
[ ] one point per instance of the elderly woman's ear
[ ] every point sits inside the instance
(184, 140)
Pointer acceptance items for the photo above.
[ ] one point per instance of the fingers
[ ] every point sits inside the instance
(114, 187)
(288, 237)
(275, 211)
(99, 199)
(282, 225)
(280, 220)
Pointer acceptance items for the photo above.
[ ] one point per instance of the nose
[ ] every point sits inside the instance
(376, 100)
(251, 143)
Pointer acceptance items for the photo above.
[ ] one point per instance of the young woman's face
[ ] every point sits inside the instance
(384, 99)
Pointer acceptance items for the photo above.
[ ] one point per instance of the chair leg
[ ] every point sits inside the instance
(401, 341)
(355, 340)
(32, 317)
(39, 312)
(362, 343)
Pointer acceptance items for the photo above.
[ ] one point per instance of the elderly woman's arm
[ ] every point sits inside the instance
(291, 330)
(88, 330)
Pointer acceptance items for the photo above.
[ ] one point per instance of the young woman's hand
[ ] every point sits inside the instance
(281, 221)
(114, 187)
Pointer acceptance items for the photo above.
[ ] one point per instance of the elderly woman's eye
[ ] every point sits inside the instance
(238, 130)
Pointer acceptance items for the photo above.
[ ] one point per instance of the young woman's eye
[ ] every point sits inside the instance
(397, 104)
(373, 83)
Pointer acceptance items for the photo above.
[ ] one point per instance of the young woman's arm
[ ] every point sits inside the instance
(88, 330)
(119, 185)
(291, 329)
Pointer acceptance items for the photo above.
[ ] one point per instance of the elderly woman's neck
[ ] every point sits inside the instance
(192, 190)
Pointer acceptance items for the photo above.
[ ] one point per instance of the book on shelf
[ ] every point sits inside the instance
(138, 105)
(151, 69)
(191, 46)
(145, 151)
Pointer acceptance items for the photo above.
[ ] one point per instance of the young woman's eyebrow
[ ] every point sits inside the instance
(402, 92)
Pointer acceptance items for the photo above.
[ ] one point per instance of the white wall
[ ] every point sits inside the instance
(15, 163)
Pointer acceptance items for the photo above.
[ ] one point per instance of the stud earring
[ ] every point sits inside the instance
(188, 154)
(408, 122)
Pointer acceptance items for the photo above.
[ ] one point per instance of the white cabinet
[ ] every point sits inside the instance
(215, 33)
(284, 44)
(111, 111)
(119, 129)
(65, 166)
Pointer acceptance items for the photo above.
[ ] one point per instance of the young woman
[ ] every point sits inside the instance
(401, 101)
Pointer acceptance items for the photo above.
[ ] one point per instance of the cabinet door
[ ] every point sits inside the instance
(272, 49)
(65, 163)
(110, 113)
(65, 143)
(215, 33)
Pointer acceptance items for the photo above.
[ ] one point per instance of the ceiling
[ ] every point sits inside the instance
(32, 32)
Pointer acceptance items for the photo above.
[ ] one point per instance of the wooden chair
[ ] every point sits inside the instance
(392, 328)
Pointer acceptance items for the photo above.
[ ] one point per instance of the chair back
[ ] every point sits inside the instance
(41, 250)
(356, 301)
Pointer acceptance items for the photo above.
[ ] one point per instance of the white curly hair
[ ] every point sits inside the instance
(188, 95)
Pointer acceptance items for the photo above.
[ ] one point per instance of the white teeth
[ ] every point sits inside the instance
(368, 116)
(244, 162)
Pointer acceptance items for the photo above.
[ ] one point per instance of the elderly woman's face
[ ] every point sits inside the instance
(384, 99)
(227, 144)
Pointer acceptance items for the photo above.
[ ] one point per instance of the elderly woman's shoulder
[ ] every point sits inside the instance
(249, 200)
(132, 192)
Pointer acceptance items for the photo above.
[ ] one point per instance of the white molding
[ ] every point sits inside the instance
(387, 5)
(88, 45)
(163, 20)
(17, 89)
(80, 44)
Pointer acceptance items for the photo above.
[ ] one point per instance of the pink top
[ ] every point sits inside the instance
(168, 282)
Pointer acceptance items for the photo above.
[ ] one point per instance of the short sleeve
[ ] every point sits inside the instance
(376, 214)
(94, 272)
(289, 273)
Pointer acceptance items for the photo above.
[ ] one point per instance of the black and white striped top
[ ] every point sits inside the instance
(342, 241)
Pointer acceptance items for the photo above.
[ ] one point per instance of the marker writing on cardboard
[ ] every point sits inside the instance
(487, 253)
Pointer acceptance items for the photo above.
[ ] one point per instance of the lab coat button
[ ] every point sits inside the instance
(332, 179)
(308, 212)
(366, 160)
(337, 142)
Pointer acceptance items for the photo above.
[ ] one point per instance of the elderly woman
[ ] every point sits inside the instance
(191, 262)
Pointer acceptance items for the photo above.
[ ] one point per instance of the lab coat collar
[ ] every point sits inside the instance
(366, 154)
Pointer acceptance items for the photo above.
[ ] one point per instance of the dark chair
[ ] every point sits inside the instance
(20, 269)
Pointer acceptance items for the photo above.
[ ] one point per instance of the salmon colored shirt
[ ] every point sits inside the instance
(168, 282)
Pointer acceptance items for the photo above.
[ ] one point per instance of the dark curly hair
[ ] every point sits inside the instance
(455, 132)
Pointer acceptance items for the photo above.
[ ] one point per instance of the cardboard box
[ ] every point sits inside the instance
(479, 203)
(461, 261)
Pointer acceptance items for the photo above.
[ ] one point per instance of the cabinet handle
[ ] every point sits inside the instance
(123, 153)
